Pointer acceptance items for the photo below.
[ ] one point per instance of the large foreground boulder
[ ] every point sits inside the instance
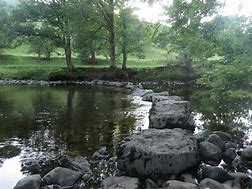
(157, 152)
(171, 114)
(29, 182)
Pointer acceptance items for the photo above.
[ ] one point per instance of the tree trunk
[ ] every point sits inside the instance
(124, 43)
(188, 62)
(111, 30)
(68, 52)
(39, 56)
(93, 57)
(48, 55)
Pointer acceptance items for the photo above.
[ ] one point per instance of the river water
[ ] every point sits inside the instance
(42, 122)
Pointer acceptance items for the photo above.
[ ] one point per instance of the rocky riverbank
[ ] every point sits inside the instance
(168, 155)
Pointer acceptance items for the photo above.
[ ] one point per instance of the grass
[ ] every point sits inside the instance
(20, 63)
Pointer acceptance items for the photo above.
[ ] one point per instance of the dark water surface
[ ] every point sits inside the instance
(47, 121)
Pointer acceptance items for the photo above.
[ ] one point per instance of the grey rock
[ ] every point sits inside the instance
(239, 176)
(120, 183)
(149, 96)
(210, 153)
(230, 145)
(150, 184)
(29, 182)
(188, 178)
(141, 92)
(216, 173)
(158, 152)
(229, 155)
(208, 183)
(175, 184)
(77, 163)
(232, 184)
(217, 141)
(112, 160)
(236, 162)
(157, 98)
(101, 154)
(224, 136)
(246, 154)
(171, 114)
(62, 176)
(202, 135)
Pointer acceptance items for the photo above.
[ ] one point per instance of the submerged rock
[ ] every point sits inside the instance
(62, 176)
(29, 182)
(175, 184)
(120, 183)
(158, 152)
(101, 154)
(171, 114)
(210, 153)
(9, 151)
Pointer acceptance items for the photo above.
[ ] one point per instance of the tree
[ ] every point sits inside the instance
(131, 34)
(187, 35)
(41, 46)
(49, 19)
(5, 23)
(106, 10)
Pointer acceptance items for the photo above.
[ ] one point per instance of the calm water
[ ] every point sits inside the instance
(47, 121)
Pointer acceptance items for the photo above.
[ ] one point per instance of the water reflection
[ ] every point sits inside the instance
(47, 121)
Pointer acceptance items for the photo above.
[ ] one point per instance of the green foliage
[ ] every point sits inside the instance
(187, 35)
(226, 78)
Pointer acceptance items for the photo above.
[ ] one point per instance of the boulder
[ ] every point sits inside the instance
(210, 153)
(77, 163)
(120, 183)
(202, 135)
(149, 96)
(229, 155)
(232, 184)
(217, 141)
(246, 154)
(224, 136)
(208, 183)
(157, 98)
(62, 176)
(230, 145)
(175, 184)
(158, 152)
(216, 173)
(171, 114)
(29, 182)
